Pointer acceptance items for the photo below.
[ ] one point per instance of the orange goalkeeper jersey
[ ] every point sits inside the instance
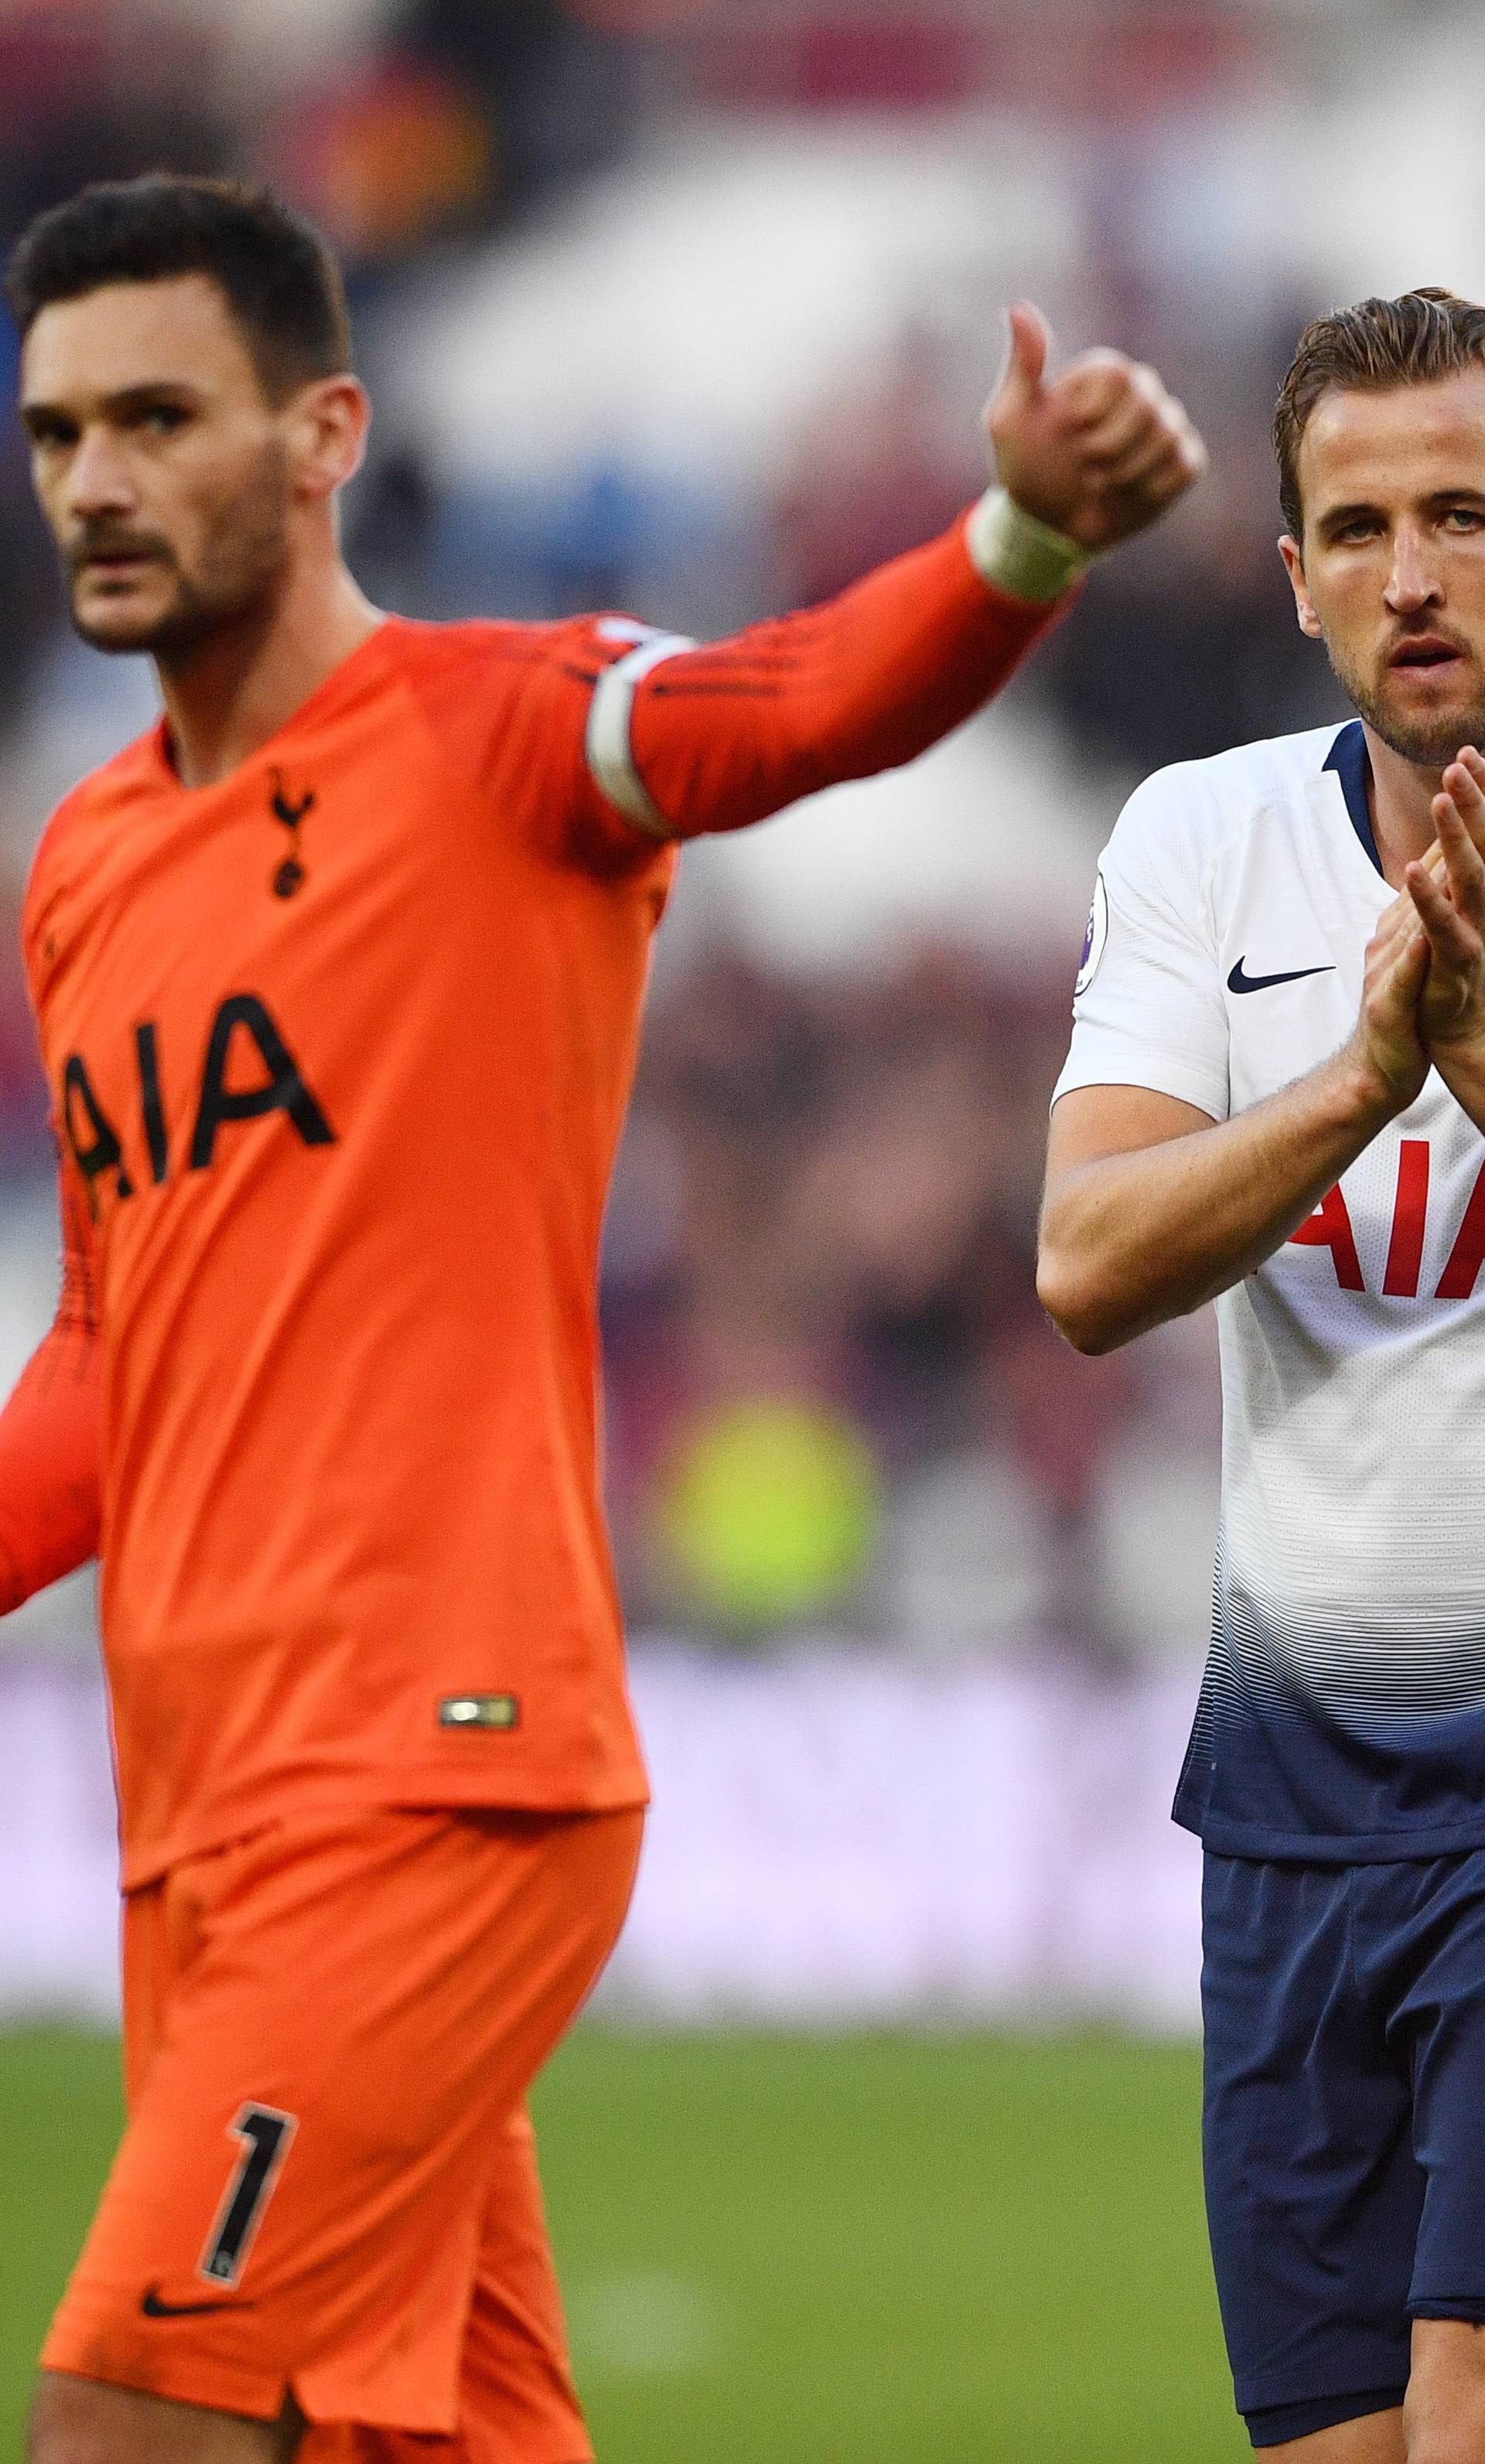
(339, 1051)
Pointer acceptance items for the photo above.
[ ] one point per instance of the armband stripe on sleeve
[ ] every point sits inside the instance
(609, 753)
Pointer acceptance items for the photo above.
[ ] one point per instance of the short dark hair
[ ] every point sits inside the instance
(275, 273)
(1414, 340)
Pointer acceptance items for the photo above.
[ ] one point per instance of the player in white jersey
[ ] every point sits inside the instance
(1275, 1097)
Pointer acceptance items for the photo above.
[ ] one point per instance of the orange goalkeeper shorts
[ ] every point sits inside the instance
(327, 2184)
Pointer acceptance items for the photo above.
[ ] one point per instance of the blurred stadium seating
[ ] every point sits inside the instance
(687, 306)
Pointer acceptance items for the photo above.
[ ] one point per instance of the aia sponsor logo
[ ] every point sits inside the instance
(245, 1042)
(1329, 1227)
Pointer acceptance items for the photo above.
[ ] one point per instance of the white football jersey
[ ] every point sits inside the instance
(1344, 1710)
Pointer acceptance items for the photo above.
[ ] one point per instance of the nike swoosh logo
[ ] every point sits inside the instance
(154, 2308)
(1239, 982)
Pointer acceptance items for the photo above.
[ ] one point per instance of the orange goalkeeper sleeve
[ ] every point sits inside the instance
(51, 1435)
(723, 735)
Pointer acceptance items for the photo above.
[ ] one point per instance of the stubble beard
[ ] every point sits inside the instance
(1428, 743)
(234, 584)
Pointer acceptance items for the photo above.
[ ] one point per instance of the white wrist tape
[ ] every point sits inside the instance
(1013, 552)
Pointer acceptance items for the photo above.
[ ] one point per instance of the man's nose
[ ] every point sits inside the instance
(98, 478)
(1413, 582)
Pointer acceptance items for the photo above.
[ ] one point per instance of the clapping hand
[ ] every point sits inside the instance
(1447, 891)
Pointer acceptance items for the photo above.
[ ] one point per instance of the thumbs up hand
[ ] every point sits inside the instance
(1097, 452)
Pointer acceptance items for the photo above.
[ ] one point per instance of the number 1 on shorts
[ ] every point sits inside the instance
(265, 2135)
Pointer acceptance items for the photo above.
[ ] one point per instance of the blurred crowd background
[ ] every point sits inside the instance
(687, 307)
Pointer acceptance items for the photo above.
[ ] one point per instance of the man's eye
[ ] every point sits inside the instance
(1465, 517)
(164, 418)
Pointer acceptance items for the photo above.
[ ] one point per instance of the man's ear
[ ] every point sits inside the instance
(329, 423)
(1304, 608)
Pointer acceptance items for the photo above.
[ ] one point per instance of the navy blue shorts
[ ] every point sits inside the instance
(1344, 2129)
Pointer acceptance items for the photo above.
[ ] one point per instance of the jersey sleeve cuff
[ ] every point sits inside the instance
(1014, 553)
(14, 1592)
(1163, 1073)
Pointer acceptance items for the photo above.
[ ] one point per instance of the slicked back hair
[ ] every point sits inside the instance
(275, 271)
(1379, 343)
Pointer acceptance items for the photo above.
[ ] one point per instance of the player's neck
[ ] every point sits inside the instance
(1401, 814)
(235, 691)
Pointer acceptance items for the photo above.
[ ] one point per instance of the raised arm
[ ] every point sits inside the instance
(1152, 1209)
(685, 740)
(51, 1434)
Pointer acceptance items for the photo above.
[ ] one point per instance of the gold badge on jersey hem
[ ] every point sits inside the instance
(479, 1711)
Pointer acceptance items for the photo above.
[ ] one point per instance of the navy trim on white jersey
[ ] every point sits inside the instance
(1351, 763)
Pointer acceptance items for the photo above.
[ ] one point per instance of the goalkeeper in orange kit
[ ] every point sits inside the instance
(338, 976)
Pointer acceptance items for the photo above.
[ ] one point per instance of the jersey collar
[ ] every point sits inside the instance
(339, 685)
(1351, 763)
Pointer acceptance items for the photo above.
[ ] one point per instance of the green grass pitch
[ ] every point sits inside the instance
(883, 2250)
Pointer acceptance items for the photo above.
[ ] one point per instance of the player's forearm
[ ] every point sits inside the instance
(724, 736)
(1135, 1239)
(51, 1443)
